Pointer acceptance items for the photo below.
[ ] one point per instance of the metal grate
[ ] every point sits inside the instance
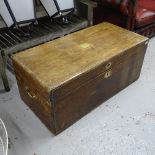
(14, 40)
(44, 31)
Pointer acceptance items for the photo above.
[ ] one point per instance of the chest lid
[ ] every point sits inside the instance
(57, 63)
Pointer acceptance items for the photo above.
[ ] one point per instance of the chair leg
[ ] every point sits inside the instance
(3, 71)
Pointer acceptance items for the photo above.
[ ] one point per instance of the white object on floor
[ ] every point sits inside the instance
(23, 10)
(40, 12)
(3, 139)
(124, 125)
(54, 7)
(5, 14)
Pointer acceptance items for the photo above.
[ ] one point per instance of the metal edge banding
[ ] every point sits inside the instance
(54, 112)
(140, 62)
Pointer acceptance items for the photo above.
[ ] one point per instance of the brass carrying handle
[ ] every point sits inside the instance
(32, 96)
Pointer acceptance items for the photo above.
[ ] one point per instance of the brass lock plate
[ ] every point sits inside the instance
(108, 65)
(108, 74)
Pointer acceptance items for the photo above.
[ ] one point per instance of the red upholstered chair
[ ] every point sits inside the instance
(135, 15)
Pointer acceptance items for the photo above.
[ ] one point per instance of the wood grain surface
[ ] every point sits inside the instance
(70, 56)
(65, 79)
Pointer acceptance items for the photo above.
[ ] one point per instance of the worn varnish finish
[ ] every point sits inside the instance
(65, 79)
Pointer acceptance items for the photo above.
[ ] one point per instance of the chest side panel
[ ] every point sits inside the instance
(34, 96)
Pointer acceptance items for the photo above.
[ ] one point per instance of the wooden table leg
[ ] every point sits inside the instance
(3, 70)
(91, 5)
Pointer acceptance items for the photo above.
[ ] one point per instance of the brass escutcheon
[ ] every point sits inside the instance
(108, 65)
(108, 74)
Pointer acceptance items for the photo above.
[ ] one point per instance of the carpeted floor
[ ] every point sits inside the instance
(124, 125)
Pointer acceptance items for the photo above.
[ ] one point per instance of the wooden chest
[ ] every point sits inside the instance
(63, 80)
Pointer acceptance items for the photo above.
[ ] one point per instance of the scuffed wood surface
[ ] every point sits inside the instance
(56, 62)
(63, 80)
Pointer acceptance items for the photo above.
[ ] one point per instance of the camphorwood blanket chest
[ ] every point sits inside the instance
(64, 79)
